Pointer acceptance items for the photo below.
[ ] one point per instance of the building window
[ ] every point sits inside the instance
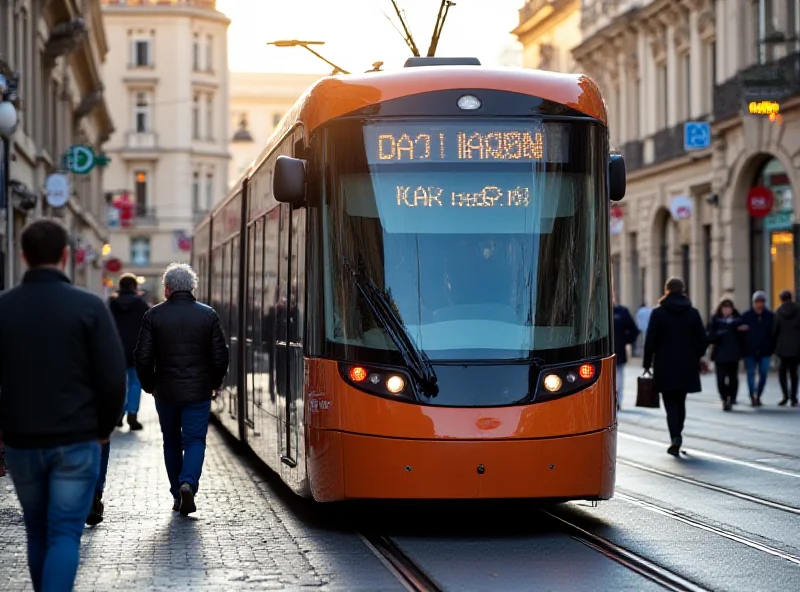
(635, 110)
(142, 113)
(196, 117)
(663, 88)
(209, 190)
(196, 54)
(141, 53)
(210, 117)
(210, 54)
(140, 251)
(196, 192)
(140, 181)
(711, 75)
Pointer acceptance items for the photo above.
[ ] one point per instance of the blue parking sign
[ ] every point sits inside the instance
(696, 135)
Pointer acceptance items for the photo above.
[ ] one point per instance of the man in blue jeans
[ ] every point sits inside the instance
(62, 371)
(182, 358)
(759, 346)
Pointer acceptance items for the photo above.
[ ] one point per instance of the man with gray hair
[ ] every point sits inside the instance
(181, 359)
(759, 345)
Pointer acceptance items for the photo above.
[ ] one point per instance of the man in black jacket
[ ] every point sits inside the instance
(128, 309)
(182, 358)
(759, 348)
(62, 371)
(786, 335)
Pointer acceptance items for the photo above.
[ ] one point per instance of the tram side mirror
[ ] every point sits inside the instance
(289, 181)
(616, 177)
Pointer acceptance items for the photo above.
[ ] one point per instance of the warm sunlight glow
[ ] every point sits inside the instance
(357, 34)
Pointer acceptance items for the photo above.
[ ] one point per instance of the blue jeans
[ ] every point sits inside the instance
(134, 394)
(55, 487)
(752, 364)
(184, 427)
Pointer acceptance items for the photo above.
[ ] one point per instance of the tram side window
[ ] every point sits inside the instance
(250, 303)
(258, 299)
(270, 263)
(216, 283)
(224, 311)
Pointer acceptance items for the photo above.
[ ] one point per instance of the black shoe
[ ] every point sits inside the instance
(119, 423)
(133, 422)
(795, 403)
(176, 504)
(783, 402)
(187, 500)
(95, 516)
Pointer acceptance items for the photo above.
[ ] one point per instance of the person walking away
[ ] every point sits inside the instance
(128, 308)
(62, 372)
(673, 348)
(726, 336)
(786, 335)
(642, 320)
(625, 332)
(758, 345)
(182, 358)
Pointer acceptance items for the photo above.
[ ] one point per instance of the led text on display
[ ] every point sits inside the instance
(399, 143)
(487, 197)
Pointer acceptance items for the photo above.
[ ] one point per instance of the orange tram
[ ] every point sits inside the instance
(414, 281)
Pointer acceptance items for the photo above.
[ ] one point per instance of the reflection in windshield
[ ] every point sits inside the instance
(499, 261)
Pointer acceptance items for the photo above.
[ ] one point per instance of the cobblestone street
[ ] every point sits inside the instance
(246, 534)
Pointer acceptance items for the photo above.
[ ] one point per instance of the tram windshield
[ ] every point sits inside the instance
(489, 238)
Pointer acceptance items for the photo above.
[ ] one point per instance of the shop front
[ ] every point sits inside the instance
(774, 234)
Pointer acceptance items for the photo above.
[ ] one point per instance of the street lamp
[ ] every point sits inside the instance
(8, 125)
(305, 45)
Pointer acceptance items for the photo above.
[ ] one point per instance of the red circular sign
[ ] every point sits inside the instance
(759, 201)
(113, 265)
(616, 212)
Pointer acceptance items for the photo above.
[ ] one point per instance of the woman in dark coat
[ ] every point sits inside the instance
(673, 348)
(727, 337)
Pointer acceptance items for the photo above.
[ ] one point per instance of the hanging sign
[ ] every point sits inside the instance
(57, 190)
(681, 207)
(760, 201)
(616, 220)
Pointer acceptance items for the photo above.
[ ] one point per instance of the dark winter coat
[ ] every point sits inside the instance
(181, 355)
(727, 341)
(62, 367)
(128, 309)
(625, 332)
(758, 338)
(674, 344)
(786, 330)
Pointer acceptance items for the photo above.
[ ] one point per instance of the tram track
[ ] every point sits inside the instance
(408, 573)
(667, 579)
(710, 486)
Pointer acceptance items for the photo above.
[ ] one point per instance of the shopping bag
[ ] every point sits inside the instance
(646, 393)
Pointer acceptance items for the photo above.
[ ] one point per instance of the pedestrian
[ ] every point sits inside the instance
(127, 309)
(759, 345)
(642, 320)
(726, 336)
(62, 371)
(182, 359)
(674, 348)
(786, 335)
(625, 333)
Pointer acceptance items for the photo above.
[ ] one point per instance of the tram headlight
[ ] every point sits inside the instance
(552, 382)
(395, 384)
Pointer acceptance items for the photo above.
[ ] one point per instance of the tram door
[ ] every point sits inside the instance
(282, 306)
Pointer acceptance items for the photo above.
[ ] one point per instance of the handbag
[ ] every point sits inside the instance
(646, 393)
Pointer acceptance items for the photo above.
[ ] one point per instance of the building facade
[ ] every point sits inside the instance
(703, 101)
(167, 80)
(56, 48)
(548, 31)
(258, 102)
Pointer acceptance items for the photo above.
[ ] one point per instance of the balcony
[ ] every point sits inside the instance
(143, 141)
(775, 81)
(633, 153)
(668, 144)
(207, 4)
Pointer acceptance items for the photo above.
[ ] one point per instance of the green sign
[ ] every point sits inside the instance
(80, 159)
(102, 160)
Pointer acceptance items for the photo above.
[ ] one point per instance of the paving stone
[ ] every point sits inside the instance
(246, 534)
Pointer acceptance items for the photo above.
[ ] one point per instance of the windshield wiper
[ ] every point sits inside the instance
(417, 362)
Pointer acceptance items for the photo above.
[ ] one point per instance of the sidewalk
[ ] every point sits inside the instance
(248, 533)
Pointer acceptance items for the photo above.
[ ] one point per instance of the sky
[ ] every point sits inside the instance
(356, 33)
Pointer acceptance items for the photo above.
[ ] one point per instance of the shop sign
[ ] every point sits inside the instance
(681, 207)
(56, 188)
(113, 265)
(760, 201)
(616, 220)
